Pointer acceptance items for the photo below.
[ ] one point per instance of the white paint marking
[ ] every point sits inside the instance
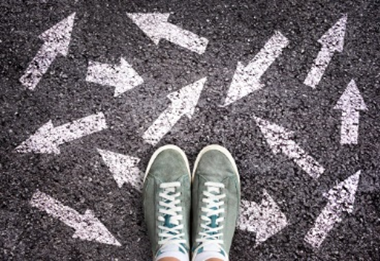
(341, 199)
(123, 167)
(183, 102)
(279, 141)
(123, 77)
(332, 41)
(47, 138)
(87, 226)
(157, 27)
(56, 41)
(350, 103)
(247, 78)
(265, 219)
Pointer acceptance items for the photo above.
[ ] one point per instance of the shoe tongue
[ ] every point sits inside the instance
(170, 248)
(212, 247)
(210, 251)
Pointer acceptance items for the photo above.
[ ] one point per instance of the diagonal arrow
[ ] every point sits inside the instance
(265, 219)
(87, 226)
(183, 103)
(350, 103)
(123, 77)
(157, 27)
(56, 41)
(123, 167)
(279, 141)
(332, 41)
(48, 138)
(341, 199)
(247, 78)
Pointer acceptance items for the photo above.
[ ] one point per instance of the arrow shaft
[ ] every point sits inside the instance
(182, 37)
(79, 128)
(162, 124)
(349, 130)
(323, 224)
(318, 69)
(102, 74)
(38, 66)
(56, 209)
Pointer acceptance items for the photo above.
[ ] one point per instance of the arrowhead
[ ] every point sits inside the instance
(92, 229)
(186, 98)
(150, 23)
(127, 78)
(265, 219)
(333, 39)
(40, 142)
(243, 83)
(123, 167)
(59, 35)
(274, 134)
(351, 98)
(343, 194)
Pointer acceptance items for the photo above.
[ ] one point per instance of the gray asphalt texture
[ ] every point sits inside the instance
(237, 30)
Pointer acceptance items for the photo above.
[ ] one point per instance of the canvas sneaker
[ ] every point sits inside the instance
(167, 202)
(215, 203)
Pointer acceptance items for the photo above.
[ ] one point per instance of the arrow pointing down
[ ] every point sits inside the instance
(87, 226)
(56, 41)
(183, 103)
(350, 103)
(157, 27)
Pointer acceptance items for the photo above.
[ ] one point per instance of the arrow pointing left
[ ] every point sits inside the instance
(87, 226)
(56, 41)
(48, 138)
(183, 103)
(341, 199)
(265, 219)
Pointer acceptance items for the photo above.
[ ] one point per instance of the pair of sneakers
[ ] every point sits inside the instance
(211, 193)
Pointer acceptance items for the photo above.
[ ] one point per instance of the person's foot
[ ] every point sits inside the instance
(167, 202)
(215, 203)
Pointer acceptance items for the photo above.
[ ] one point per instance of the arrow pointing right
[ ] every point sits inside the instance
(350, 103)
(341, 199)
(265, 219)
(332, 41)
(183, 103)
(87, 226)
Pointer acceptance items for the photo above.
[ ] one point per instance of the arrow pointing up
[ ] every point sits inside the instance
(87, 226)
(265, 219)
(350, 103)
(183, 103)
(123, 167)
(279, 140)
(48, 138)
(157, 27)
(123, 77)
(56, 41)
(247, 78)
(332, 41)
(341, 199)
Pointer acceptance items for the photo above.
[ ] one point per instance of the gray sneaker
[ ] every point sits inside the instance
(166, 194)
(215, 203)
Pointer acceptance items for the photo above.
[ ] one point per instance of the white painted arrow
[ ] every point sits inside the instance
(183, 103)
(247, 78)
(48, 138)
(157, 27)
(123, 167)
(341, 199)
(87, 226)
(279, 141)
(332, 41)
(350, 103)
(123, 77)
(265, 219)
(56, 41)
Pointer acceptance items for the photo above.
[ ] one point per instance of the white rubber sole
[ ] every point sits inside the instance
(161, 149)
(220, 149)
